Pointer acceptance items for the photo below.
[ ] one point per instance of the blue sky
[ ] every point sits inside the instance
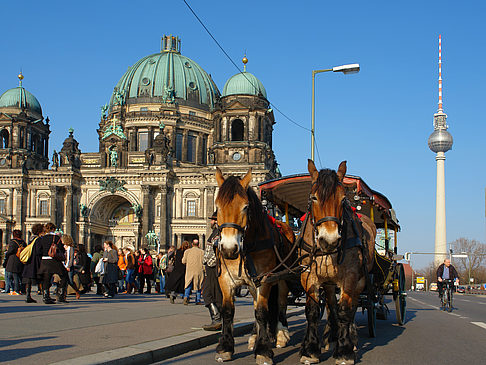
(72, 55)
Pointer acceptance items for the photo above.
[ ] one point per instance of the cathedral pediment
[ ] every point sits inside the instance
(236, 105)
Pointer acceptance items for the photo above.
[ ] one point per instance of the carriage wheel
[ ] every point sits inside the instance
(371, 308)
(400, 296)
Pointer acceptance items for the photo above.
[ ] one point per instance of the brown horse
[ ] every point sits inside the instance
(250, 252)
(339, 247)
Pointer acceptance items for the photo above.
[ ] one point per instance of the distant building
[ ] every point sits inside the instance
(161, 135)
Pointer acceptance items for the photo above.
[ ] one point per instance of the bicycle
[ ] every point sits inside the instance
(446, 299)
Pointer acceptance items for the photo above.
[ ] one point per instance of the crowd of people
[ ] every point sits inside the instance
(52, 258)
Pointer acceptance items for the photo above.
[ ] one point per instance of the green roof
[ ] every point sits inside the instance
(20, 98)
(166, 77)
(244, 83)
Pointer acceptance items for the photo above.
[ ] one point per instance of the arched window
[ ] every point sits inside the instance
(4, 138)
(237, 130)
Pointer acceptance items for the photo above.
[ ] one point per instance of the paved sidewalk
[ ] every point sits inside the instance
(126, 326)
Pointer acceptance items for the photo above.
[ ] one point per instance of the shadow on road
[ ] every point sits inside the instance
(15, 354)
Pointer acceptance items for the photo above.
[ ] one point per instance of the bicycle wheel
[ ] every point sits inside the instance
(449, 300)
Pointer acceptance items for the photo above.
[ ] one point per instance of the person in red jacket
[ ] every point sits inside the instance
(145, 270)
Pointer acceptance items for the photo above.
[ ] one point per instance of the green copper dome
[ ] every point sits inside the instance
(244, 83)
(20, 98)
(166, 77)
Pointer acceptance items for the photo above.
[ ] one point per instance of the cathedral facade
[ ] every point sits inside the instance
(161, 136)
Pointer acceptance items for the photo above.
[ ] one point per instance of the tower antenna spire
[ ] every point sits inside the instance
(440, 74)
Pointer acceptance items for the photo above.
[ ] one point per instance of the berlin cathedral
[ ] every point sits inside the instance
(152, 181)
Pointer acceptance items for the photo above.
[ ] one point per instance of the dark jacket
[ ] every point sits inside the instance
(49, 266)
(13, 262)
(176, 278)
(32, 265)
(452, 272)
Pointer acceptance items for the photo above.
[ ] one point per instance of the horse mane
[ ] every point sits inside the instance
(256, 215)
(326, 184)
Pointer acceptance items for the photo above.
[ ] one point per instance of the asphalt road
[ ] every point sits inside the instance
(429, 336)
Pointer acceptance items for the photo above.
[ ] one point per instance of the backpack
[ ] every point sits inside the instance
(163, 263)
(19, 250)
(171, 263)
(27, 252)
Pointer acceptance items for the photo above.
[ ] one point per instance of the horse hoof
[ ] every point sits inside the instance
(263, 360)
(309, 360)
(344, 361)
(223, 356)
(251, 342)
(283, 338)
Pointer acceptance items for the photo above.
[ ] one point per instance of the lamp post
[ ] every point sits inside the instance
(345, 69)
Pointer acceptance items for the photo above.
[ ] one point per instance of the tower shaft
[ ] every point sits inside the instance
(440, 212)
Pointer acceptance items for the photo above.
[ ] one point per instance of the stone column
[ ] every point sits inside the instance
(32, 210)
(20, 207)
(53, 204)
(69, 211)
(201, 203)
(179, 240)
(252, 128)
(184, 145)
(10, 202)
(209, 207)
(145, 211)
(200, 237)
(178, 202)
(163, 216)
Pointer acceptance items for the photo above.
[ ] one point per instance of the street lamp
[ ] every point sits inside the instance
(345, 69)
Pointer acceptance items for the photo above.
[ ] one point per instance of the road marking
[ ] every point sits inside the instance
(464, 317)
(480, 324)
(454, 314)
(466, 300)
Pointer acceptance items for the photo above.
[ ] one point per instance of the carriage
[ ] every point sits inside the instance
(289, 197)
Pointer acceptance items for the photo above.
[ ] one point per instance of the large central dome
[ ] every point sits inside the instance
(166, 77)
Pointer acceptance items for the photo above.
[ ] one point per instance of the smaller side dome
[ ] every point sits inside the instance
(20, 98)
(244, 83)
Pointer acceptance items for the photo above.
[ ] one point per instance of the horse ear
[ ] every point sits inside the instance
(246, 180)
(312, 170)
(341, 171)
(219, 177)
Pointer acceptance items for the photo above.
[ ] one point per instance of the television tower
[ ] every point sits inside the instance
(440, 141)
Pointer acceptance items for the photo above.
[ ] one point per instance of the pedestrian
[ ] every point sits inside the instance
(110, 277)
(161, 267)
(145, 270)
(193, 259)
(212, 295)
(136, 274)
(68, 243)
(122, 265)
(14, 268)
(82, 264)
(29, 274)
(52, 253)
(176, 278)
(97, 256)
(170, 267)
(130, 276)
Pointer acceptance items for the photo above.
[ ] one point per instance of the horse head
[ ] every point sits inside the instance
(327, 195)
(232, 203)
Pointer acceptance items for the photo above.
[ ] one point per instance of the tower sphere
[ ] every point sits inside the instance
(440, 141)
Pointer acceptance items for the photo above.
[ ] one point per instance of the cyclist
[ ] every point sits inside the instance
(446, 271)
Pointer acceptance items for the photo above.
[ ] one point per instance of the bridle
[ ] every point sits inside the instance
(315, 225)
(234, 226)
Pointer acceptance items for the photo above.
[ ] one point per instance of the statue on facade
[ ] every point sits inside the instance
(55, 160)
(104, 109)
(113, 157)
(137, 209)
(83, 209)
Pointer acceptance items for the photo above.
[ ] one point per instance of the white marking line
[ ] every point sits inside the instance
(480, 324)
(423, 303)
(454, 314)
(464, 317)
(465, 300)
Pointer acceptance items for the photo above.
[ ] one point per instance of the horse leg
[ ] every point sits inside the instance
(310, 349)
(331, 330)
(347, 334)
(263, 350)
(253, 336)
(283, 336)
(226, 345)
